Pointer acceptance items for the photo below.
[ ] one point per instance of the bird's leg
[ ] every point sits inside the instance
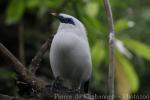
(57, 83)
(77, 88)
(86, 86)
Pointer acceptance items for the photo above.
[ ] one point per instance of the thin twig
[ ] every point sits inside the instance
(38, 57)
(21, 42)
(111, 69)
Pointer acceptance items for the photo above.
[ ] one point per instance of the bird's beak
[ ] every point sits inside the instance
(54, 14)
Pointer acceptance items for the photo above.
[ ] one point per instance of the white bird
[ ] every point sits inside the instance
(70, 56)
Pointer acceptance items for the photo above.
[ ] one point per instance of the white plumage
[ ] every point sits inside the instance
(70, 57)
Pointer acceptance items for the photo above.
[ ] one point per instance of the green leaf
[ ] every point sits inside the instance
(130, 72)
(46, 3)
(138, 48)
(146, 14)
(42, 10)
(98, 53)
(122, 49)
(15, 11)
(121, 24)
(92, 22)
(32, 3)
(92, 9)
(53, 3)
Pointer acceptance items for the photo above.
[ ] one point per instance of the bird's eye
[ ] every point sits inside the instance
(70, 21)
(67, 20)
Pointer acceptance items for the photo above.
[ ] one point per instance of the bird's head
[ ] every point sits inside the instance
(68, 22)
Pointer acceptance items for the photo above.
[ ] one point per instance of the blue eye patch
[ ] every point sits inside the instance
(66, 20)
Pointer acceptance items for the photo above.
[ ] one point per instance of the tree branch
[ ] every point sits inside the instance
(109, 16)
(6, 97)
(18, 66)
(111, 69)
(38, 57)
(21, 70)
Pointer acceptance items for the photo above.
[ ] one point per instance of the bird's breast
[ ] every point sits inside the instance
(70, 57)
